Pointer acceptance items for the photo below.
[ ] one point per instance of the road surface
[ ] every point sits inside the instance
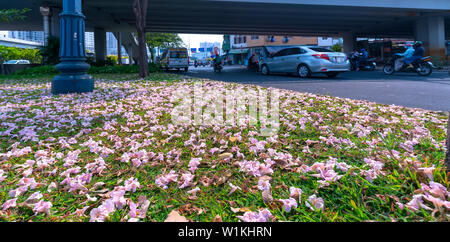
(404, 89)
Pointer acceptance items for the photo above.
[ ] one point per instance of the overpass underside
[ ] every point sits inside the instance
(249, 17)
(348, 18)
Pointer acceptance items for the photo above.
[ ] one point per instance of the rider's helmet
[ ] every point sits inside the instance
(418, 43)
(407, 45)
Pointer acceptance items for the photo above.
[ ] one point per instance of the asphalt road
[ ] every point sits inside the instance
(404, 89)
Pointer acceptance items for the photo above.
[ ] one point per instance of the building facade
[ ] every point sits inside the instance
(33, 36)
(241, 45)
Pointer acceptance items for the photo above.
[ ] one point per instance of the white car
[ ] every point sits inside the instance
(305, 60)
(12, 62)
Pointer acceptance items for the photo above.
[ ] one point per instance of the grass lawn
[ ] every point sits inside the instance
(115, 155)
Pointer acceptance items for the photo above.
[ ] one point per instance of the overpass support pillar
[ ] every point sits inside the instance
(349, 42)
(100, 45)
(54, 24)
(431, 31)
(72, 52)
(45, 11)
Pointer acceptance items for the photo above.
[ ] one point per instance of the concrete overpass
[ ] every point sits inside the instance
(426, 20)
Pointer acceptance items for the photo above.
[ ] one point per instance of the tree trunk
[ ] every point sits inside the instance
(119, 48)
(447, 155)
(140, 10)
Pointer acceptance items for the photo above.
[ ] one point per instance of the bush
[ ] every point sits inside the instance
(124, 69)
(13, 53)
(37, 71)
(50, 52)
(111, 60)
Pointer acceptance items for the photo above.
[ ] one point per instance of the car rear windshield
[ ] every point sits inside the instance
(178, 54)
(318, 49)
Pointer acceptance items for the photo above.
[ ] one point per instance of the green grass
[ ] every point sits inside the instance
(142, 106)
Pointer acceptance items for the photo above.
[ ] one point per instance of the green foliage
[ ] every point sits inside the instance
(112, 60)
(124, 69)
(13, 53)
(336, 48)
(50, 52)
(8, 15)
(163, 40)
(37, 71)
(116, 69)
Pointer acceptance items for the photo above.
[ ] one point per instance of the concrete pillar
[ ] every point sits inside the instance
(100, 44)
(349, 42)
(130, 54)
(45, 11)
(72, 53)
(54, 23)
(431, 31)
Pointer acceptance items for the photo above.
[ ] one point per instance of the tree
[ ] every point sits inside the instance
(336, 48)
(8, 15)
(140, 11)
(163, 41)
(50, 52)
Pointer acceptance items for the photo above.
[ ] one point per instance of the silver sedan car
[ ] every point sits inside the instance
(304, 61)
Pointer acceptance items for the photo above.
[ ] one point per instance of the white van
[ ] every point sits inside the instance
(175, 58)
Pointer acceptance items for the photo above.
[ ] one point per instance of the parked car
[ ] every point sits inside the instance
(305, 61)
(175, 58)
(12, 62)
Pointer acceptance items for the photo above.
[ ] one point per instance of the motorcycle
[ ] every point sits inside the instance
(218, 67)
(423, 67)
(367, 65)
(253, 66)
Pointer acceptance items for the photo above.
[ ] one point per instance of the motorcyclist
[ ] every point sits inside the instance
(408, 53)
(217, 61)
(252, 61)
(417, 55)
(354, 56)
(363, 55)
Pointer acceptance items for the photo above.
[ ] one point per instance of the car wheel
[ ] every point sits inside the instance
(303, 71)
(265, 70)
(332, 74)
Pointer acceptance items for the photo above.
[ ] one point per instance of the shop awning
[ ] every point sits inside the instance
(238, 51)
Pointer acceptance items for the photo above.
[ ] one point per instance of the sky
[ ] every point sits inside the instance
(194, 40)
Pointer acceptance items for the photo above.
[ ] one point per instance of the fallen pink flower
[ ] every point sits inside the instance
(9, 204)
(288, 204)
(315, 203)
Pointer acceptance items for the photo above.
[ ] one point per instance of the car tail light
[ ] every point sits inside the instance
(321, 56)
(188, 61)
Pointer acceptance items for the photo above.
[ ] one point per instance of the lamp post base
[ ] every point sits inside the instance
(73, 78)
(64, 84)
